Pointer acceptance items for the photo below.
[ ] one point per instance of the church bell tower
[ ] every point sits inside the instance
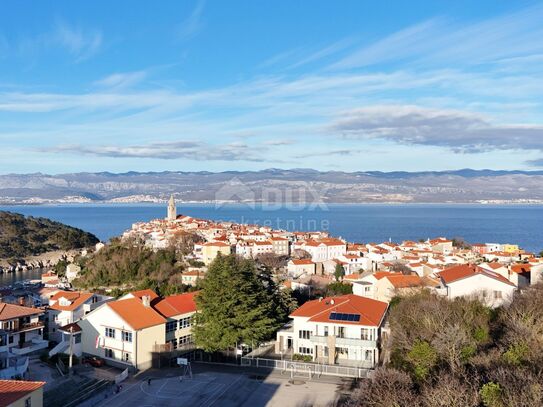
(172, 212)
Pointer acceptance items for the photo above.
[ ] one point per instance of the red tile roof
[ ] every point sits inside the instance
(371, 311)
(176, 304)
(299, 262)
(455, 273)
(135, 314)
(13, 390)
(139, 294)
(10, 311)
(405, 281)
(76, 299)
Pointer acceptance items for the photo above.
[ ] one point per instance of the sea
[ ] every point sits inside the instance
(475, 223)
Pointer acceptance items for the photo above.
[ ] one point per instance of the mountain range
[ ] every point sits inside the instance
(276, 185)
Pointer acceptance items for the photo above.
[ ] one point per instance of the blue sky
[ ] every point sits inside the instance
(245, 85)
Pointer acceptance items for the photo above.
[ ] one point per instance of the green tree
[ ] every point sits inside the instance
(339, 272)
(423, 357)
(234, 306)
(491, 394)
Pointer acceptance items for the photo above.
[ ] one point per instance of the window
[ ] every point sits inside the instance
(184, 322)
(173, 342)
(368, 355)
(341, 332)
(171, 326)
(326, 330)
(497, 295)
(342, 351)
(126, 357)
(127, 336)
(366, 334)
(28, 402)
(77, 339)
(185, 340)
(305, 351)
(304, 334)
(109, 353)
(110, 333)
(10, 339)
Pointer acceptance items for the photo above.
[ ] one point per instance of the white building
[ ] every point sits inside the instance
(343, 330)
(323, 249)
(66, 307)
(468, 280)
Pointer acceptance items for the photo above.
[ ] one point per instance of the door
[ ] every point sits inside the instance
(22, 338)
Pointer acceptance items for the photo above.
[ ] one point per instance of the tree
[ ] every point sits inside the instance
(234, 306)
(423, 357)
(339, 272)
(399, 267)
(338, 288)
(301, 254)
(272, 261)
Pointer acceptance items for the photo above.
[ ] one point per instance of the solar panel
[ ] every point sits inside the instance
(339, 316)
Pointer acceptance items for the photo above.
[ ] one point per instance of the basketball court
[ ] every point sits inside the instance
(229, 389)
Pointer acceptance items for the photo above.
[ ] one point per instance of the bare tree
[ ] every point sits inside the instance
(451, 391)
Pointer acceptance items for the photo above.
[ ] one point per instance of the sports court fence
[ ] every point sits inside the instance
(307, 370)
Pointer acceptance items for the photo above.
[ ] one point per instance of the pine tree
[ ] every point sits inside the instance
(234, 306)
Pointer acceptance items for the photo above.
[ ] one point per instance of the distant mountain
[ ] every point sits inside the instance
(26, 236)
(272, 185)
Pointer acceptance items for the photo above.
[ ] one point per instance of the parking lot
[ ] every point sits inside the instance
(210, 386)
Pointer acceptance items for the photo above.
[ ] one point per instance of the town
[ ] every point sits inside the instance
(339, 330)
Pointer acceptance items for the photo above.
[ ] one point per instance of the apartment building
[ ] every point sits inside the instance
(344, 330)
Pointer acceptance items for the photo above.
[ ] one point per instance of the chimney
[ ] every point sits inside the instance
(332, 302)
(22, 301)
(146, 300)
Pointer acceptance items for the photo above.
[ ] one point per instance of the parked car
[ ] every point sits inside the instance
(93, 361)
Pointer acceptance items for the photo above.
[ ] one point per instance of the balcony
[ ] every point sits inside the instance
(30, 346)
(344, 341)
(29, 326)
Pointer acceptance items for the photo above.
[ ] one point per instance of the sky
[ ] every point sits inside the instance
(246, 85)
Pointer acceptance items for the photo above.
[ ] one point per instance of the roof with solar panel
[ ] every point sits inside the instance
(345, 309)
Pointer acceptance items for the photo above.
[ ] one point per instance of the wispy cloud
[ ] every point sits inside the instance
(83, 44)
(538, 163)
(440, 40)
(191, 150)
(192, 24)
(121, 80)
(457, 130)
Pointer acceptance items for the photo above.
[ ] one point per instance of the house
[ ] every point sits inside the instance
(394, 285)
(70, 336)
(21, 333)
(72, 272)
(178, 311)
(323, 249)
(441, 245)
(66, 307)
(469, 280)
(20, 393)
(297, 267)
(191, 277)
(280, 246)
(21, 329)
(125, 332)
(210, 250)
(344, 330)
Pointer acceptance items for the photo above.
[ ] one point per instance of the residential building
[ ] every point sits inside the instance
(344, 330)
(66, 307)
(21, 329)
(210, 250)
(20, 393)
(125, 332)
(280, 246)
(72, 272)
(468, 280)
(178, 311)
(297, 267)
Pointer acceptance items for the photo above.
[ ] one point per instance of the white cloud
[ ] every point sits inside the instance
(192, 24)
(83, 44)
(121, 80)
(457, 130)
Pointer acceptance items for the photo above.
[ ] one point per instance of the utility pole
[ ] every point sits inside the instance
(71, 350)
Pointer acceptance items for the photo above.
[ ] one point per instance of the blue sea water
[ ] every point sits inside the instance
(521, 224)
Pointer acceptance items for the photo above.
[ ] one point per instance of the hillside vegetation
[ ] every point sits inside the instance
(22, 236)
(460, 354)
(131, 265)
